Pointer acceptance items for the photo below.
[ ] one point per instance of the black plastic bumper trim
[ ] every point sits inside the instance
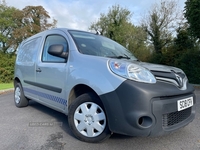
(47, 87)
(133, 100)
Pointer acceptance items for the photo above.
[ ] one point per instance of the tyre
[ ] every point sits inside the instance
(19, 98)
(87, 119)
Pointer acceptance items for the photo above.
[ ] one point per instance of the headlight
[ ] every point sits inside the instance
(131, 71)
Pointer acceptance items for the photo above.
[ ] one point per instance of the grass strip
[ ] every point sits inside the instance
(4, 86)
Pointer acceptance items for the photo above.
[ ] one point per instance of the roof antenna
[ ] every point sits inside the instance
(98, 32)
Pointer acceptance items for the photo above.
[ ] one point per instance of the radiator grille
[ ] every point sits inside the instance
(174, 118)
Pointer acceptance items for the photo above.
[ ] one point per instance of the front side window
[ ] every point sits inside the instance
(52, 40)
(92, 44)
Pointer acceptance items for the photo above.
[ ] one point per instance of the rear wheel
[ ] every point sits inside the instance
(19, 98)
(87, 119)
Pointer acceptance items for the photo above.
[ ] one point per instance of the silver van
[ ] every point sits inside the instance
(101, 86)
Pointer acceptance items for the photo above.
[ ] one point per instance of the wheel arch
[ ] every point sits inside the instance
(79, 90)
(16, 80)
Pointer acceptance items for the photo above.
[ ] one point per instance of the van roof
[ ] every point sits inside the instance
(42, 32)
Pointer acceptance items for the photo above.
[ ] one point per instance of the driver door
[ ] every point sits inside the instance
(51, 74)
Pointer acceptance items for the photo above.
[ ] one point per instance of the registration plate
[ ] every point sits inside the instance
(185, 103)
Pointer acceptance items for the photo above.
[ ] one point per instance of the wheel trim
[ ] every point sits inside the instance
(90, 119)
(17, 95)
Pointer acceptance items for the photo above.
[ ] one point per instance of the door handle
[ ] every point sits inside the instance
(38, 70)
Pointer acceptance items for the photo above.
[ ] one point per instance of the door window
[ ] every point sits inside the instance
(51, 40)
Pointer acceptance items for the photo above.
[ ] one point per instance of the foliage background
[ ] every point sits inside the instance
(6, 67)
(165, 35)
(15, 26)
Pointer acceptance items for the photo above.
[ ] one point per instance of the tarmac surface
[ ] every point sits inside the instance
(37, 127)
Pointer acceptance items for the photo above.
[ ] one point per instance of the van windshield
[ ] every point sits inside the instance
(97, 45)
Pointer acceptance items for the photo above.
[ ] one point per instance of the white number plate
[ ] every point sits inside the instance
(185, 103)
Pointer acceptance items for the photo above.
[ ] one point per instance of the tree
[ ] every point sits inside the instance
(7, 24)
(31, 20)
(116, 25)
(17, 25)
(182, 43)
(136, 39)
(160, 24)
(192, 14)
(184, 53)
(113, 25)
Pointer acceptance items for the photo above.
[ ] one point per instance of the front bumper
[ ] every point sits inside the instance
(139, 109)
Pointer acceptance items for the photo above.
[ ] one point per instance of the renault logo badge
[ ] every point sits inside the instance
(179, 79)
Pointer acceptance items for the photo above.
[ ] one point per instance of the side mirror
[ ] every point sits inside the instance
(57, 50)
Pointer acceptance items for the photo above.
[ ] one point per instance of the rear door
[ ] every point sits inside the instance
(26, 63)
(51, 73)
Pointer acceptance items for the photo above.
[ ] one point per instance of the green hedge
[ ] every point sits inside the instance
(188, 61)
(7, 63)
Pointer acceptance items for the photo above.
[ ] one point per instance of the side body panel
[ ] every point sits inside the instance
(26, 63)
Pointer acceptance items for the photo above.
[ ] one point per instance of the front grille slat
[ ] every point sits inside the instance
(178, 79)
(174, 118)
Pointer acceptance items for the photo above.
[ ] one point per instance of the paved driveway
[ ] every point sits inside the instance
(37, 127)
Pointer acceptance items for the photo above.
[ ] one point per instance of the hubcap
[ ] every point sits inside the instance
(90, 119)
(17, 95)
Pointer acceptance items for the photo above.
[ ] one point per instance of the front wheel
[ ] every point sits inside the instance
(87, 119)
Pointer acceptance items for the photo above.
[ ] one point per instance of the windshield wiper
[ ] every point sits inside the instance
(120, 57)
